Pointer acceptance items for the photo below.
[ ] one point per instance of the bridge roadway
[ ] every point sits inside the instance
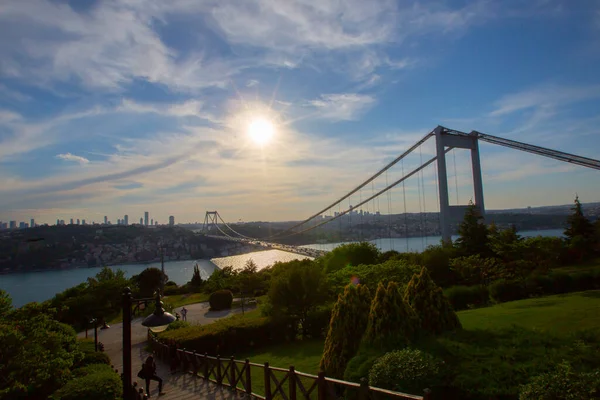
(314, 253)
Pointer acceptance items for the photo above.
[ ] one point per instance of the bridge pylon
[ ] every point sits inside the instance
(210, 221)
(445, 139)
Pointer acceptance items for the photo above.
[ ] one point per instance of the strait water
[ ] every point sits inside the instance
(40, 286)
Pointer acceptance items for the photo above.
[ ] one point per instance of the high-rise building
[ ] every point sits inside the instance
(22, 225)
(83, 222)
(13, 224)
(57, 222)
(32, 223)
(71, 221)
(152, 221)
(171, 220)
(105, 219)
(77, 221)
(141, 221)
(146, 218)
(126, 220)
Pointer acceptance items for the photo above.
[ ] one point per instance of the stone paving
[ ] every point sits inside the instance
(175, 386)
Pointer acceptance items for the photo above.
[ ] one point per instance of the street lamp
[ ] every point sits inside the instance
(157, 322)
(95, 322)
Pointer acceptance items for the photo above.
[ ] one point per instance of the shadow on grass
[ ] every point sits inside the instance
(592, 294)
(538, 304)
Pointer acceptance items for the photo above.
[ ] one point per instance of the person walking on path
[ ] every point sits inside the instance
(148, 373)
(184, 313)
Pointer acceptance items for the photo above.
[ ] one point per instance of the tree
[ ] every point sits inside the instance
(149, 280)
(505, 243)
(429, 303)
(392, 322)
(473, 233)
(351, 254)
(298, 290)
(37, 352)
(196, 281)
(248, 279)
(348, 322)
(579, 231)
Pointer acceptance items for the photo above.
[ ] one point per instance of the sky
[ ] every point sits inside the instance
(120, 107)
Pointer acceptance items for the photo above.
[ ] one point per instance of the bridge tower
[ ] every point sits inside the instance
(452, 214)
(210, 221)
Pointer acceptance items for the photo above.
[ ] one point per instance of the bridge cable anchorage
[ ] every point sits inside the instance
(363, 184)
(455, 177)
(393, 184)
(542, 151)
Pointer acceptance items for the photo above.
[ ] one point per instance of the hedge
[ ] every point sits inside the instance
(232, 336)
(220, 300)
(99, 384)
(94, 357)
(464, 297)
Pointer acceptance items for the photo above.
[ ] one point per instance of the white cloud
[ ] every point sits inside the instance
(72, 157)
(342, 106)
(9, 116)
(252, 83)
(189, 108)
(545, 96)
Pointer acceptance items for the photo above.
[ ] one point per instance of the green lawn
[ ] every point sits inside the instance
(560, 314)
(178, 300)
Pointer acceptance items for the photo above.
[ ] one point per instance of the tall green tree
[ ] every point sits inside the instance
(473, 234)
(196, 281)
(149, 281)
(391, 322)
(248, 279)
(37, 353)
(579, 232)
(347, 325)
(351, 254)
(298, 290)
(429, 303)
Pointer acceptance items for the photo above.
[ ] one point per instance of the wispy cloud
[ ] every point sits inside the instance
(342, 106)
(13, 94)
(73, 158)
(252, 83)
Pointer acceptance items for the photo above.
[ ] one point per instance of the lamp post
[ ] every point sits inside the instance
(157, 320)
(95, 322)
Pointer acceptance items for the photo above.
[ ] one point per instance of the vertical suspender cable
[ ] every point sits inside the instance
(424, 198)
(437, 196)
(405, 215)
(420, 213)
(389, 201)
(361, 216)
(455, 176)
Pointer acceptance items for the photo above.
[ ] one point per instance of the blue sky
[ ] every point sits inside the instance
(118, 107)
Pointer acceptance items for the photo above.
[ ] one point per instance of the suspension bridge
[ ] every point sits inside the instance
(359, 209)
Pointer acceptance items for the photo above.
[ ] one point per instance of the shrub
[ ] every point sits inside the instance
(359, 366)
(464, 297)
(178, 325)
(317, 322)
(220, 300)
(398, 271)
(97, 385)
(584, 281)
(94, 357)
(392, 322)
(563, 384)
(407, 370)
(506, 290)
(561, 282)
(351, 254)
(348, 322)
(233, 335)
(92, 369)
(476, 270)
(429, 303)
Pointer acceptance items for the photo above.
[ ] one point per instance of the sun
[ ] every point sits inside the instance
(261, 130)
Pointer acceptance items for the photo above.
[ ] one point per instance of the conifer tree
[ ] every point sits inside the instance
(348, 322)
(429, 303)
(473, 234)
(579, 231)
(391, 321)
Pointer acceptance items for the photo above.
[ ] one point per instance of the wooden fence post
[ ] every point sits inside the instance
(363, 392)
(219, 377)
(232, 372)
(206, 370)
(322, 386)
(427, 394)
(248, 378)
(267, 382)
(292, 380)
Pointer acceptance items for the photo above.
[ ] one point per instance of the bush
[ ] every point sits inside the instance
(398, 271)
(561, 282)
(464, 297)
(220, 300)
(359, 366)
(94, 357)
(178, 325)
(408, 371)
(506, 290)
(351, 254)
(92, 369)
(99, 384)
(317, 322)
(233, 335)
(562, 384)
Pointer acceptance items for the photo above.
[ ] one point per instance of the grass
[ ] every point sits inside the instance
(179, 300)
(559, 314)
(591, 265)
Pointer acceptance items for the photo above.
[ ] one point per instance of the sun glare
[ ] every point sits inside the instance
(261, 130)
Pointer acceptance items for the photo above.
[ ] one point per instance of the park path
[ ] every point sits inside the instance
(180, 386)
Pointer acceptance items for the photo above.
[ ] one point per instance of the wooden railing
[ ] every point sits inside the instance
(288, 384)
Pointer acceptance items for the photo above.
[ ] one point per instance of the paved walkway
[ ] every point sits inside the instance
(181, 386)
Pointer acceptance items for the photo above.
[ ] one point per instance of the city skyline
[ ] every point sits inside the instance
(269, 113)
